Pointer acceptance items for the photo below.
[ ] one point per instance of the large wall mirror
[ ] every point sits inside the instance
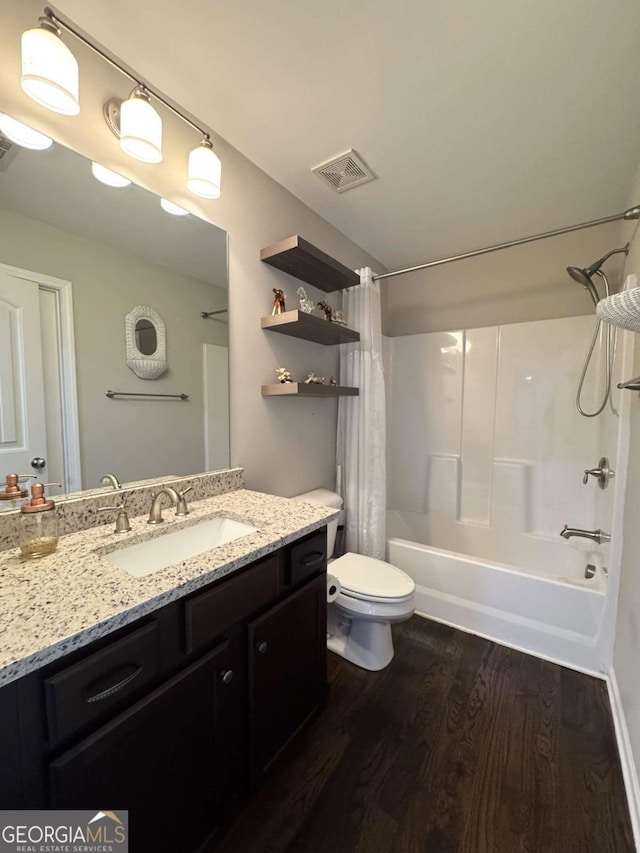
(76, 257)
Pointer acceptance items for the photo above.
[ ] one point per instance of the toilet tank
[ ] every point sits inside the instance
(324, 497)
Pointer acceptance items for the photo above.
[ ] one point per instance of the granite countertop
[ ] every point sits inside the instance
(59, 603)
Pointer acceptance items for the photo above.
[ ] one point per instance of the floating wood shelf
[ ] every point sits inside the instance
(309, 328)
(299, 389)
(304, 261)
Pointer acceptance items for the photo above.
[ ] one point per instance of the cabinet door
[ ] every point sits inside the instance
(11, 788)
(173, 759)
(287, 671)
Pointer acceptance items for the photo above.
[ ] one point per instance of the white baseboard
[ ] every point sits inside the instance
(629, 771)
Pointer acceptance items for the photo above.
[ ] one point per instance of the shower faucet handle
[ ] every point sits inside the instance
(602, 473)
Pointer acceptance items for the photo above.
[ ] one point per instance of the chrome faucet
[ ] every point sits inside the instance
(111, 480)
(598, 535)
(155, 513)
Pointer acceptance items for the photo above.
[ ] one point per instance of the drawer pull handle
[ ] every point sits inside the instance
(312, 559)
(114, 688)
(262, 647)
(227, 676)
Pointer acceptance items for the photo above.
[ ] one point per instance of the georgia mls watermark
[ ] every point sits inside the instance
(64, 831)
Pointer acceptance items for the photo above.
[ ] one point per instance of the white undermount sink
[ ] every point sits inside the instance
(145, 558)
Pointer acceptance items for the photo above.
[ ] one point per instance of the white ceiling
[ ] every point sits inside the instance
(484, 121)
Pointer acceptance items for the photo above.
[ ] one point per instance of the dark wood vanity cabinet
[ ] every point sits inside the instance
(177, 717)
(172, 759)
(287, 671)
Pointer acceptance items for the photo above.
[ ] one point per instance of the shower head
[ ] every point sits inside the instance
(580, 275)
(584, 276)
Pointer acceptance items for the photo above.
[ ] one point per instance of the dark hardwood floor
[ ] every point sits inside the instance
(459, 746)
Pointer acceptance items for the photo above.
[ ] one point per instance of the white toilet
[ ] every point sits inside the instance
(374, 594)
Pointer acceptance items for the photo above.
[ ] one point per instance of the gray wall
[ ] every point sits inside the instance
(286, 446)
(627, 637)
(511, 286)
(136, 439)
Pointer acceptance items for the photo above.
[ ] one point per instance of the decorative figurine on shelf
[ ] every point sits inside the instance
(278, 302)
(328, 310)
(284, 375)
(338, 317)
(333, 381)
(307, 305)
(312, 379)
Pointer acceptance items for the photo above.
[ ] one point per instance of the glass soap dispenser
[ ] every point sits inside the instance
(38, 524)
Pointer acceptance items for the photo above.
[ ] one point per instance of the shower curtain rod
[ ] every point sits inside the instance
(631, 213)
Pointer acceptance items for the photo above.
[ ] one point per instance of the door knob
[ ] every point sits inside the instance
(38, 462)
(262, 647)
(227, 676)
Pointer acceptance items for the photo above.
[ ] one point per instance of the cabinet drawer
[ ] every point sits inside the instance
(101, 682)
(210, 613)
(308, 557)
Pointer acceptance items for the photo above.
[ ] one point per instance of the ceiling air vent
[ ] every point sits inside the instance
(344, 172)
(8, 152)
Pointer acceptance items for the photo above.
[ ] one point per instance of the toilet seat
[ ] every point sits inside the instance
(371, 580)
(377, 599)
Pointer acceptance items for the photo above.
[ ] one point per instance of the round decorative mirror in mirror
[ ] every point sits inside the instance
(146, 338)
(145, 325)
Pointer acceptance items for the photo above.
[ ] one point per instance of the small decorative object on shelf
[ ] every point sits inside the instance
(333, 381)
(312, 379)
(307, 305)
(328, 310)
(278, 302)
(338, 317)
(283, 375)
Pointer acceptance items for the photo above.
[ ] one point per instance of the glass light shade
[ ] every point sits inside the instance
(22, 134)
(49, 72)
(205, 171)
(108, 176)
(140, 130)
(172, 208)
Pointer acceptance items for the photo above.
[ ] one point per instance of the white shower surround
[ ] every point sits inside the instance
(486, 451)
(486, 455)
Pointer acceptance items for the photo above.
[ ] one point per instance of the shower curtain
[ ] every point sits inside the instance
(361, 440)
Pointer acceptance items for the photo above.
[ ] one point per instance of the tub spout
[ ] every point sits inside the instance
(598, 535)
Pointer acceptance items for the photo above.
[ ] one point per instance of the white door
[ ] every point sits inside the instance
(216, 407)
(23, 439)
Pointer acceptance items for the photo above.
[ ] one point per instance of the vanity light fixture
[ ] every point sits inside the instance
(50, 77)
(49, 69)
(174, 209)
(22, 134)
(108, 176)
(140, 127)
(205, 170)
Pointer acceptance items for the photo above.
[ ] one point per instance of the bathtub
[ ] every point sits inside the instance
(558, 619)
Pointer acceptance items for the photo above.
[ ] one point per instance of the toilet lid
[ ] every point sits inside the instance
(370, 577)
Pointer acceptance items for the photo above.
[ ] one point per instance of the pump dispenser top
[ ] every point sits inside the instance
(38, 502)
(12, 489)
